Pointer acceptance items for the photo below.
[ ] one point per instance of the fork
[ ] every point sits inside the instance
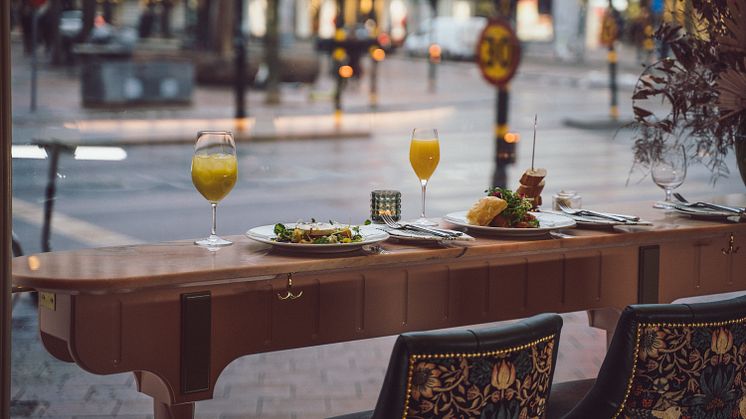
(706, 204)
(400, 226)
(582, 212)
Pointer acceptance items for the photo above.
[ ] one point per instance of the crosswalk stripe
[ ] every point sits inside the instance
(76, 229)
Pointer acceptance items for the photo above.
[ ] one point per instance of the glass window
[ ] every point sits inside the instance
(109, 95)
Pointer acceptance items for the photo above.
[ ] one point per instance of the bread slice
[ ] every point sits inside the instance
(533, 177)
(484, 210)
(530, 191)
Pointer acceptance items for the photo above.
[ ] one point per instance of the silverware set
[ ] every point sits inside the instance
(620, 218)
(445, 234)
(683, 202)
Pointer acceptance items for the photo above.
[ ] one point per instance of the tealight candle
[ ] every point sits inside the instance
(385, 202)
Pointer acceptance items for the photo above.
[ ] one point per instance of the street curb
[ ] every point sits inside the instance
(239, 138)
(597, 124)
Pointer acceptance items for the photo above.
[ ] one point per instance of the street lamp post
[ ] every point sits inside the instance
(239, 45)
(34, 60)
(339, 55)
(433, 50)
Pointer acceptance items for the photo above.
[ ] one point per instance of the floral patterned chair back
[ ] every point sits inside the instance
(673, 361)
(503, 372)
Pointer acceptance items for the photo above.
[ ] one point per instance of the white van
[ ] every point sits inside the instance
(457, 37)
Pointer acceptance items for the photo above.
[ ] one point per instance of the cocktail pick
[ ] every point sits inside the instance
(533, 149)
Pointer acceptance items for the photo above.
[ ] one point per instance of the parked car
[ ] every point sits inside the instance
(457, 37)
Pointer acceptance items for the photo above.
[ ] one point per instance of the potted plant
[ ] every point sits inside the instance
(697, 97)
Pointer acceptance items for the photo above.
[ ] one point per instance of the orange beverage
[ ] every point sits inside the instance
(214, 174)
(424, 155)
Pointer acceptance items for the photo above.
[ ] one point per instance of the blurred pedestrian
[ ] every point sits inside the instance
(147, 19)
(166, 7)
(28, 11)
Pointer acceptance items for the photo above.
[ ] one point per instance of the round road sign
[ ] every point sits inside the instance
(498, 52)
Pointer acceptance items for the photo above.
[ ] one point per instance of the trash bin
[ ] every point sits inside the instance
(117, 82)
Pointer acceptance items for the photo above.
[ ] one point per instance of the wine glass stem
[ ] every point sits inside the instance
(424, 186)
(214, 217)
(668, 194)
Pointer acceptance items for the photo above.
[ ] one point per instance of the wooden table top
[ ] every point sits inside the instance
(181, 263)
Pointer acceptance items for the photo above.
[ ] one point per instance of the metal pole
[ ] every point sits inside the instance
(239, 46)
(5, 202)
(338, 58)
(34, 61)
(51, 192)
(432, 65)
(612, 57)
(504, 151)
(373, 97)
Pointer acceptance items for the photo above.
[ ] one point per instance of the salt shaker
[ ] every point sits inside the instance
(568, 198)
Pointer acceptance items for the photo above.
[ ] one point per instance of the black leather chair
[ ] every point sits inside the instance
(667, 361)
(503, 372)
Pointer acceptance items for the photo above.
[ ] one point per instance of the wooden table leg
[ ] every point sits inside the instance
(606, 319)
(177, 411)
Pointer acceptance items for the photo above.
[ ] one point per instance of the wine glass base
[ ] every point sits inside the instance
(213, 241)
(427, 222)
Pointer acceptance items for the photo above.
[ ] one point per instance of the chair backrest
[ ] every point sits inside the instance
(494, 372)
(673, 361)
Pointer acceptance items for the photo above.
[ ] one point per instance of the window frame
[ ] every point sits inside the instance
(5, 223)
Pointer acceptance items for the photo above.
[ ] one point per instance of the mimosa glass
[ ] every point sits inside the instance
(214, 171)
(424, 155)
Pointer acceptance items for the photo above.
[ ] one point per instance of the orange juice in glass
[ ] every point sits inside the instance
(424, 155)
(214, 172)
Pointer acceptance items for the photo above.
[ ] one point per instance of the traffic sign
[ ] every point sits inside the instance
(498, 52)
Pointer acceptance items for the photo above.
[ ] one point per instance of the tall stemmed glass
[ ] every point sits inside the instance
(214, 170)
(669, 169)
(424, 155)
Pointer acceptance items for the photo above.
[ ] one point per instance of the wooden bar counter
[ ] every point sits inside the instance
(176, 314)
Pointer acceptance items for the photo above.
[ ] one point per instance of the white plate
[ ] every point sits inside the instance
(266, 234)
(547, 223)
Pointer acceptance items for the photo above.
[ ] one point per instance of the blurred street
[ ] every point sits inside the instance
(295, 164)
(149, 196)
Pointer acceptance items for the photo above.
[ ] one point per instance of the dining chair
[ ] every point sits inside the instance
(667, 361)
(497, 372)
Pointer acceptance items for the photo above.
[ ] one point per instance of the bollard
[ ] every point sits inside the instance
(505, 143)
(433, 51)
(377, 54)
(34, 60)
